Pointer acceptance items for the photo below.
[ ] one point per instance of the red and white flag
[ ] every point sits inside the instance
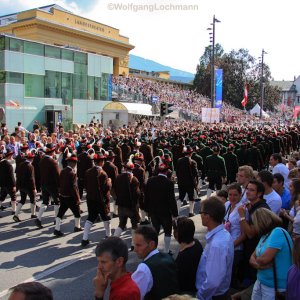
(245, 100)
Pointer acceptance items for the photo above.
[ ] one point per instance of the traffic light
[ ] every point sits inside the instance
(165, 108)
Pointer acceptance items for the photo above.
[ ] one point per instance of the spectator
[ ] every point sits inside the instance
(156, 276)
(31, 291)
(271, 197)
(189, 255)
(293, 277)
(244, 175)
(112, 255)
(281, 190)
(215, 267)
(272, 256)
(279, 167)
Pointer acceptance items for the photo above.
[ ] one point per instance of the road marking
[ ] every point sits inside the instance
(59, 267)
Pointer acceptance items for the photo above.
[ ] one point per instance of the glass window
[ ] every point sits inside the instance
(34, 85)
(52, 52)
(52, 84)
(81, 58)
(97, 88)
(104, 86)
(2, 76)
(79, 86)
(67, 54)
(80, 69)
(91, 88)
(13, 77)
(16, 45)
(33, 48)
(66, 88)
(3, 43)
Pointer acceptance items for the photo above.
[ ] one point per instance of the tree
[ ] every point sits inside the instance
(239, 67)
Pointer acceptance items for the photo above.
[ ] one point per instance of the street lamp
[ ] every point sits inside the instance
(212, 93)
(262, 84)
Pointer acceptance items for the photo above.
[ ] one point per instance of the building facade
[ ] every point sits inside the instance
(57, 67)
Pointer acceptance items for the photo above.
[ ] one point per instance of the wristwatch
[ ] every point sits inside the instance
(242, 219)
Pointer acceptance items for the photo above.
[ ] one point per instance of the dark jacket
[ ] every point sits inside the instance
(68, 184)
(7, 178)
(25, 176)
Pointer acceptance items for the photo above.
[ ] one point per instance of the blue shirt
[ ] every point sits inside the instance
(214, 270)
(283, 259)
(286, 198)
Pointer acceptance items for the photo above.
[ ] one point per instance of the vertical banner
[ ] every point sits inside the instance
(219, 88)
(110, 87)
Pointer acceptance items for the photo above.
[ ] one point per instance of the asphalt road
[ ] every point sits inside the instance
(28, 253)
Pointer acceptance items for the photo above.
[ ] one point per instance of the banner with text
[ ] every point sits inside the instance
(219, 88)
(210, 115)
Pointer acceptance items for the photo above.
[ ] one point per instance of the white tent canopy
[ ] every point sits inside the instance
(256, 111)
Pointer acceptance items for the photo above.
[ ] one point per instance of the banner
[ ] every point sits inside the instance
(110, 87)
(219, 88)
(210, 115)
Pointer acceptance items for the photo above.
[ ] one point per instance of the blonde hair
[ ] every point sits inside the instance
(248, 170)
(293, 173)
(264, 220)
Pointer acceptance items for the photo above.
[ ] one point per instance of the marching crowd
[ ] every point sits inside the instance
(253, 222)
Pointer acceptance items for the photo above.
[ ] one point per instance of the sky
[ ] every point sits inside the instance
(176, 36)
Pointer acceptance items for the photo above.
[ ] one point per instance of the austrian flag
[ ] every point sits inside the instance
(245, 100)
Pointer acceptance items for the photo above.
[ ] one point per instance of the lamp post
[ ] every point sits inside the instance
(262, 84)
(212, 88)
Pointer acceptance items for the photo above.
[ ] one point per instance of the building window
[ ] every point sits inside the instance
(4, 43)
(66, 88)
(298, 99)
(97, 88)
(11, 77)
(16, 45)
(34, 85)
(52, 84)
(80, 69)
(81, 58)
(67, 54)
(79, 86)
(34, 48)
(104, 86)
(52, 52)
(91, 88)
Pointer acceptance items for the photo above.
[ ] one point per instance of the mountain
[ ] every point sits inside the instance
(140, 63)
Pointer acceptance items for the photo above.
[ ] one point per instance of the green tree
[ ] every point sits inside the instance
(239, 67)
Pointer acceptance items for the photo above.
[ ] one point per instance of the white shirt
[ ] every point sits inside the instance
(143, 276)
(284, 171)
(274, 201)
(234, 219)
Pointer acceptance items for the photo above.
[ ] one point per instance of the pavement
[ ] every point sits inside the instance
(31, 254)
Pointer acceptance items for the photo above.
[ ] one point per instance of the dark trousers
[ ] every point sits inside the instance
(65, 204)
(50, 191)
(221, 297)
(183, 190)
(215, 182)
(80, 183)
(24, 193)
(164, 221)
(7, 191)
(95, 211)
(131, 213)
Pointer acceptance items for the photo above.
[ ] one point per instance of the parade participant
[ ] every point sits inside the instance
(68, 195)
(49, 171)
(187, 176)
(26, 185)
(215, 171)
(112, 172)
(218, 253)
(139, 172)
(7, 180)
(84, 163)
(112, 255)
(147, 151)
(156, 276)
(128, 193)
(160, 203)
(98, 187)
(231, 163)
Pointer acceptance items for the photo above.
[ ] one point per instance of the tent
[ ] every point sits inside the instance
(256, 111)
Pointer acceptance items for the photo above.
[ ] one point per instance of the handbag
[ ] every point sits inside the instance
(279, 295)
